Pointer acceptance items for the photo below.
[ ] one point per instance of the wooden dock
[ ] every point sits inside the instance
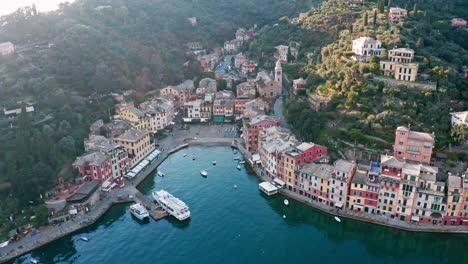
(156, 212)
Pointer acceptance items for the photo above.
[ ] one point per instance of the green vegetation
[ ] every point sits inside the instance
(364, 110)
(69, 61)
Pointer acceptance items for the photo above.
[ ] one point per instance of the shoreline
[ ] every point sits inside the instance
(42, 239)
(100, 209)
(363, 217)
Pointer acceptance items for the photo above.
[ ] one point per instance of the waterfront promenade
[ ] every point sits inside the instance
(346, 213)
(178, 139)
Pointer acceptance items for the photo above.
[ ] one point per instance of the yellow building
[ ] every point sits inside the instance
(136, 118)
(137, 143)
(400, 71)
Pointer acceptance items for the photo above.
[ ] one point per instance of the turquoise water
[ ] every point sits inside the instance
(240, 225)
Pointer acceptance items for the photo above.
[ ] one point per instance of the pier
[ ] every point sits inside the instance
(156, 212)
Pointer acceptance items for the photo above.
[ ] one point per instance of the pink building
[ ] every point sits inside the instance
(343, 172)
(253, 126)
(458, 22)
(94, 166)
(414, 146)
(396, 13)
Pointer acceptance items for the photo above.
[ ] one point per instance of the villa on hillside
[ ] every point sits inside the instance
(395, 13)
(458, 22)
(399, 65)
(413, 146)
(7, 48)
(366, 47)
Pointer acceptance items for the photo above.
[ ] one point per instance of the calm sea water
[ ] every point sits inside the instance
(240, 225)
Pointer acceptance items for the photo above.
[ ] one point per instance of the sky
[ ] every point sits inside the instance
(9, 6)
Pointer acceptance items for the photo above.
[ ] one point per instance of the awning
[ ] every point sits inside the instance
(415, 218)
(255, 158)
(339, 204)
(279, 182)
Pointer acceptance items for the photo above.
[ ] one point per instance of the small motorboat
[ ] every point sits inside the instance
(35, 261)
(235, 186)
(286, 202)
(242, 162)
(235, 151)
(185, 155)
(213, 162)
(238, 167)
(194, 158)
(204, 173)
(161, 174)
(337, 219)
(84, 239)
(284, 216)
(237, 158)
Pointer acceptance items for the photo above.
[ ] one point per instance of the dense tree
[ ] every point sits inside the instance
(459, 134)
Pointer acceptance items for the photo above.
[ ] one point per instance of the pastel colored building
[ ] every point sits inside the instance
(365, 188)
(366, 47)
(253, 126)
(390, 181)
(413, 146)
(94, 165)
(396, 13)
(292, 158)
(7, 48)
(120, 161)
(319, 102)
(181, 91)
(239, 59)
(137, 143)
(343, 172)
(430, 203)
(459, 118)
(458, 22)
(315, 182)
(270, 86)
(401, 55)
(457, 201)
(400, 71)
(298, 85)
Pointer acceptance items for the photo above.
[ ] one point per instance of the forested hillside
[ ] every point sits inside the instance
(360, 108)
(68, 61)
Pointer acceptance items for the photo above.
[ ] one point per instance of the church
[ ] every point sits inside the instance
(269, 86)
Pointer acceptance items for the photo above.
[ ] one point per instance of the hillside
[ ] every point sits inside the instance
(362, 110)
(68, 61)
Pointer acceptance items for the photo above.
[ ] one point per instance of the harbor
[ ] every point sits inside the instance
(214, 204)
(179, 139)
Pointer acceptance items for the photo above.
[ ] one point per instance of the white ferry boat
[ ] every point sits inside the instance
(172, 205)
(139, 211)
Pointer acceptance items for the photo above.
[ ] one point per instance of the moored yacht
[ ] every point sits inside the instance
(139, 211)
(172, 205)
(204, 173)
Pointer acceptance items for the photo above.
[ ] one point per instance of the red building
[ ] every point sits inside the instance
(364, 189)
(94, 166)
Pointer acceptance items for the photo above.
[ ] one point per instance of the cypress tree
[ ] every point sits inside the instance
(351, 28)
(415, 9)
(365, 19)
(381, 7)
(375, 18)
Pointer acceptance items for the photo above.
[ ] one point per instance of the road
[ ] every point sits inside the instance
(223, 67)
(278, 108)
